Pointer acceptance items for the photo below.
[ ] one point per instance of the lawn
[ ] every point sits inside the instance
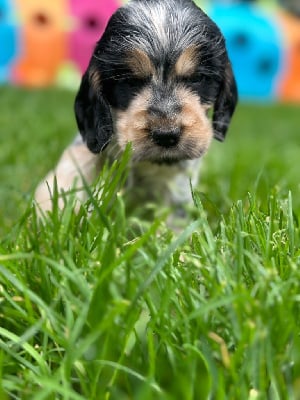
(110, 305)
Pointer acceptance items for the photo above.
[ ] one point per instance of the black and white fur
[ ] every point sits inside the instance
(159, 78)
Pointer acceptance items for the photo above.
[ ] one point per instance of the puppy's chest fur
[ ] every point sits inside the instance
(164, 184)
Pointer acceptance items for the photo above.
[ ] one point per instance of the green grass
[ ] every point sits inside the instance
(107, 305)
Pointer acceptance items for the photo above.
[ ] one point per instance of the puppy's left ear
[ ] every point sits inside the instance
(92, 112)
(225, 104)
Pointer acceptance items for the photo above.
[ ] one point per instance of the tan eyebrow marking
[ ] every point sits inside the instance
(187, 62)
(140, 64)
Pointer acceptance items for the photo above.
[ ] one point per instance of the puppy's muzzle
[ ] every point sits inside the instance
(163, 114)
(166, 138)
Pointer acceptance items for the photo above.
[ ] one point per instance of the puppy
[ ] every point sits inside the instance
(159, 78)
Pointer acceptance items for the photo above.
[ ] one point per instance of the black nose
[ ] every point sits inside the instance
(166, 138)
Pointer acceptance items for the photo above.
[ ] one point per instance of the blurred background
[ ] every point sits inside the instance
(45, 43)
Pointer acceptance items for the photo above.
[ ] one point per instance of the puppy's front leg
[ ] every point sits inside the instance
(76, 165)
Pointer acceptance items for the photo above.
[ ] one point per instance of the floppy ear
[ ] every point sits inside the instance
(225, 104)
(92, 113)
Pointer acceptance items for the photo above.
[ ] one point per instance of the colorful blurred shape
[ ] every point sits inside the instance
(43, 41)
(8, 38)
(255, 48)
(91, 17)
(290, 82)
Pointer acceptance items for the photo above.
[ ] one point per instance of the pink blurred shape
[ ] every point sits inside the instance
(91, 17)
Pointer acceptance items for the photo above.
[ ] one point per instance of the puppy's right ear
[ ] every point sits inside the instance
(93, 113)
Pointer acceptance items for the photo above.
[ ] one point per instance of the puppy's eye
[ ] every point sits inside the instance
(205, 87)
(133, 84)
(120, 90)
(135, 81)
(191, 79)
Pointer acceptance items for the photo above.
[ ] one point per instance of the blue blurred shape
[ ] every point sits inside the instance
(8, 38)
(255, 48)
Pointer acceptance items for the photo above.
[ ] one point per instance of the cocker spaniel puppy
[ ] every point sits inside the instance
(159, 78)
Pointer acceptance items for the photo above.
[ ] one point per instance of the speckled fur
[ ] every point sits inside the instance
(157, 71)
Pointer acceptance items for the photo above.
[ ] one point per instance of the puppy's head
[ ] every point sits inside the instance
(158, 69)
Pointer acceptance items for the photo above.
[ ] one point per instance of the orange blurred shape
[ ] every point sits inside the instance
(43, 41)
(289, 89)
